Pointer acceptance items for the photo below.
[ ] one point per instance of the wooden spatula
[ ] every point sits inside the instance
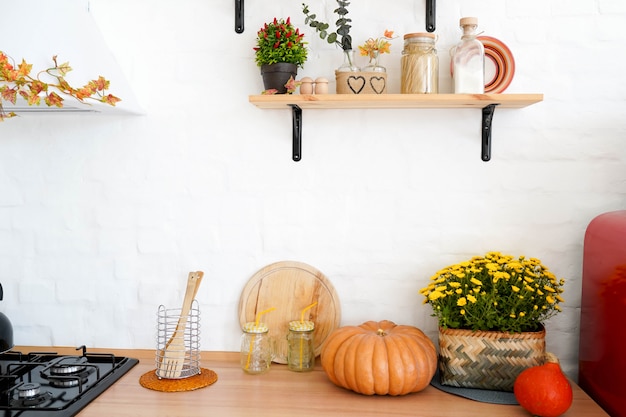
(175, 349)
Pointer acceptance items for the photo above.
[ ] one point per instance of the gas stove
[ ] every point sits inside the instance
(44, 384)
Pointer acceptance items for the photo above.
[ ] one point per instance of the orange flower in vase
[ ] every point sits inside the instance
(372, 48)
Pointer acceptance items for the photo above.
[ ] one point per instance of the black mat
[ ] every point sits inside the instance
(482, 395)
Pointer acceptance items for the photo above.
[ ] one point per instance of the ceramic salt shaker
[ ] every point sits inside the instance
(321, 85)
(306, 86)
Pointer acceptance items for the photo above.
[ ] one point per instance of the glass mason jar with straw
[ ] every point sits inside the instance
(301, 350)
(256, 346)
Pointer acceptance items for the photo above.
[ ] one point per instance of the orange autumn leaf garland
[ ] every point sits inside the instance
(16, 80)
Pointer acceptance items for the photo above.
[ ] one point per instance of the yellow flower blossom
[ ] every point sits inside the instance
(435, 295)
(462, 312)
(501, 275)
(454, 284)
(514, 288)
(492, 267)
(461, 302)
(441, 288)
(471, 298)
(561, 300)
(550, 299)
(549, 289)
(476, 281)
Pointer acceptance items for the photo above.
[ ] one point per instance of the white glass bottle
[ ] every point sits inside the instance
(469, 60)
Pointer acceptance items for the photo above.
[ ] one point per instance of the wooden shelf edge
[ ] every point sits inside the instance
(394, 101)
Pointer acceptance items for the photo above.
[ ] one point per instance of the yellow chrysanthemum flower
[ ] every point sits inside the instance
(435, 295)
(461, 302)
(492, 267)
(476, 281)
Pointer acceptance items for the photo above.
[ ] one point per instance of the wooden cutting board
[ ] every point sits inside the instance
(290, 287)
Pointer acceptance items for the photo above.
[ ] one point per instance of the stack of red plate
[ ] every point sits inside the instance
(499, 65)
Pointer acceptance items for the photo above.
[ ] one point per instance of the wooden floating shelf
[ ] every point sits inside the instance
(486, 102)
(394, 101)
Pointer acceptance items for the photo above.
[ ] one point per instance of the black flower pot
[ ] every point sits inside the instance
(275, 76)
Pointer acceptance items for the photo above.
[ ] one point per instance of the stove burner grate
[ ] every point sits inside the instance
(30, 395)
(41, 384)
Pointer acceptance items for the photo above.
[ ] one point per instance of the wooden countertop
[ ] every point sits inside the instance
(282, 393)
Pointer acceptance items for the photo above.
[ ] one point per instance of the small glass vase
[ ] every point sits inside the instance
(374, 64)
(349, 64)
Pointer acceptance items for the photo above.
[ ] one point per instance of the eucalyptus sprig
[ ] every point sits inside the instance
(342, 36)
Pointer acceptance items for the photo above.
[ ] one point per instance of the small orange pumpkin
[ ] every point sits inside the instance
(544, 390)
(379, 358)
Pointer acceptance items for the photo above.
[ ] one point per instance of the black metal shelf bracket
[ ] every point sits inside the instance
(430, 15)
(296, 124)
(239, 16)
(485, 150)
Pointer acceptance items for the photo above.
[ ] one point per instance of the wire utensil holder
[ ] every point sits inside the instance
(167, 321)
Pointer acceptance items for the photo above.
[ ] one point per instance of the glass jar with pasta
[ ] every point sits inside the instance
(419, 64)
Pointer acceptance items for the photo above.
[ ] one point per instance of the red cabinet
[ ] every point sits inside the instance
(602, 355)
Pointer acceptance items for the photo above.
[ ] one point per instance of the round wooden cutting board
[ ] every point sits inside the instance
(290, 287)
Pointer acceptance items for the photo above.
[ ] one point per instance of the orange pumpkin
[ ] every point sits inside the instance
(379, 358)
(544, 390)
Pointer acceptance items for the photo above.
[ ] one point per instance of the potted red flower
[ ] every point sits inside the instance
(279, 52)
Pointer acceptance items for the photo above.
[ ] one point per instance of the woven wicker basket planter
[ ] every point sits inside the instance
(487, 359)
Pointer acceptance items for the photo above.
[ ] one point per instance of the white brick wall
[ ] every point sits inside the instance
(101, 218)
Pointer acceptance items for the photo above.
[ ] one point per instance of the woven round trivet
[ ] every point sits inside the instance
(151, 381)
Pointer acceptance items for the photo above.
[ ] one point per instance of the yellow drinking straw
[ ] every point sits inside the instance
(256, 324)
(302, 321)
(305, 309)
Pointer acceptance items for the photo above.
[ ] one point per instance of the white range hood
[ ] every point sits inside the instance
(37, 30)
